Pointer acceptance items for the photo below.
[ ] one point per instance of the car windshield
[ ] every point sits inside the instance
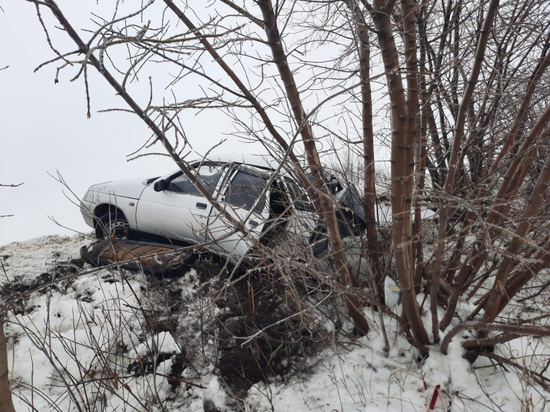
(151, 180)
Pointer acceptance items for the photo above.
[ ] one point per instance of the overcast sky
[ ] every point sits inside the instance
(44, 129)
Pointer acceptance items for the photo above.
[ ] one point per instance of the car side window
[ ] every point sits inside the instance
(245, 189)
(209, 176)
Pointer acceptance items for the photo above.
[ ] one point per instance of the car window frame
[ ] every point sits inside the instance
(299, 197)
(236, 168)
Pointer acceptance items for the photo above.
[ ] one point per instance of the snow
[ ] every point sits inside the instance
(163, 342)
(74, 342)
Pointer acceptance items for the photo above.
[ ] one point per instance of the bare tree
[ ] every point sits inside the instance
(466, 116)
(6, 403)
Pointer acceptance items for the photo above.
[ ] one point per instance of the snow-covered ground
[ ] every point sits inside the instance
(80, 339)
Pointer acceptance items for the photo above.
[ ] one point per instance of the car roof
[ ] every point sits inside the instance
(258, 160)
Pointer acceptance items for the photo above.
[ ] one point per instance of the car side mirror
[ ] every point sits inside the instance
(159, 186)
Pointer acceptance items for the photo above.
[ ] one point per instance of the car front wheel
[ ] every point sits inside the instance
(111, 224)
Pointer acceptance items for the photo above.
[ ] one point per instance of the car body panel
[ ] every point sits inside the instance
(180, 211)
(172, 215)
(87, 211)
(122, 194)
(130, 188)
(243, 202)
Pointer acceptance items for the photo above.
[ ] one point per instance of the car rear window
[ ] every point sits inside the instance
(245, 189)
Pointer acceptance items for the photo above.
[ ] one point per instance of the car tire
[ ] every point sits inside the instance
(112, 224)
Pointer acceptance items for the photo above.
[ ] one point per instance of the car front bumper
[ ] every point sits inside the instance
(87, 209)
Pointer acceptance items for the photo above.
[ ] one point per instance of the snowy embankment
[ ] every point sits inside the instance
(81, 338)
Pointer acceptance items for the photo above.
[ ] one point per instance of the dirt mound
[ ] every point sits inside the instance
(260, 326)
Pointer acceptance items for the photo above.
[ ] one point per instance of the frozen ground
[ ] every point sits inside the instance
(84, 342)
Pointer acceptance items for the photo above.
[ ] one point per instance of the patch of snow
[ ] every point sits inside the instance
(74, 341)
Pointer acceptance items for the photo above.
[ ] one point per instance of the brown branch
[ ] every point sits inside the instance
(539, 378)
(12, 185)
(369, 189)
(422, 142)
(411, 154)
(519, 121)
(243, 12)
(482, 342)
(6, 403)
(493, 327)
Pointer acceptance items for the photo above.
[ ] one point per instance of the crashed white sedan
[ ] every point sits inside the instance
(171, 209)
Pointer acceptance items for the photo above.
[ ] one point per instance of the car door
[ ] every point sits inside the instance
(174, 208)
(243, 197)
(303, 219)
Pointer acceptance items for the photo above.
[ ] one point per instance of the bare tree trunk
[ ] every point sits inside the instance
(369, 198)
(413, 133)
(6, 403)
(369, 189)
(326, 205)
(435, 277)
(402, 154)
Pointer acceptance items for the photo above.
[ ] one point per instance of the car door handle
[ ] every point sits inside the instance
(253, 223)
(201, 205)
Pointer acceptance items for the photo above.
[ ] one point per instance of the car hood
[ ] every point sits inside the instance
(130, 188)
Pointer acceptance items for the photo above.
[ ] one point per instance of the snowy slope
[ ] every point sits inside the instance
(84, 341)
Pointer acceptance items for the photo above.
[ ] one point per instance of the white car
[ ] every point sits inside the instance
(170, 208)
